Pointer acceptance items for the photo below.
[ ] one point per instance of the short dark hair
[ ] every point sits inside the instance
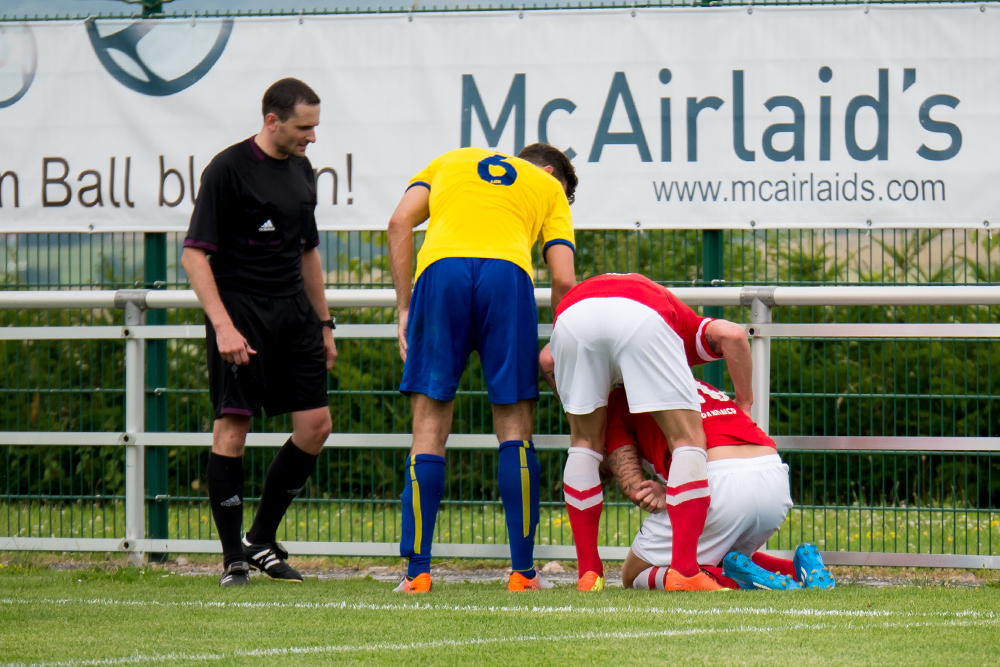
(545, 155)
(281, 98)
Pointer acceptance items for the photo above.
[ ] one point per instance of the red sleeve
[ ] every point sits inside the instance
(690, 326)
(618, 432)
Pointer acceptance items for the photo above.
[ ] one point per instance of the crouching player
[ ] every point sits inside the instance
(614, 329)
(750, 499)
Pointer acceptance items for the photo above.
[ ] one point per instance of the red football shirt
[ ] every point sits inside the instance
(678, 316)
(724, 424)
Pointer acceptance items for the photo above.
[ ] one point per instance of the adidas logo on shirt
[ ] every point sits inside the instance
(266, 227)
(232, 502)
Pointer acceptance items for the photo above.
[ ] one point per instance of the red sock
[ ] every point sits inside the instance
(774, 564)
(585, 524)
(688, 499)
(584, 504)
(687, 519)
(721, 578)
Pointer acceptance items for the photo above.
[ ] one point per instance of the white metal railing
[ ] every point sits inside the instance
(760, 300)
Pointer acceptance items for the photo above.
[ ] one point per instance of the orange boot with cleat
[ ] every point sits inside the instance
(518, 582)
(419, 584)
(675, 581)
(590, 581)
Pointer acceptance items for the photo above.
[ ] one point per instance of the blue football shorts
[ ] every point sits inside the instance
(460, 304)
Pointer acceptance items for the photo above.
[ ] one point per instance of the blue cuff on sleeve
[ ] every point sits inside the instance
(553, 242)
(416, 183)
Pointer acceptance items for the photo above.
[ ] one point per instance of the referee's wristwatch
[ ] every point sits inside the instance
(332, 323)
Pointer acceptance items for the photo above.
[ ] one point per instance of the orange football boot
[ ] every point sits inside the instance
(590, 582)
(702, 581)
(419, 584)
(518, 582)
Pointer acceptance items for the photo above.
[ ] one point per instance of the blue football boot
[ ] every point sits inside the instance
(811, 570)
(750, 576)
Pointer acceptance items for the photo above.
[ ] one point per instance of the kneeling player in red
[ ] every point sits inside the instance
(750, 498)
(625, 328)
(747, 480)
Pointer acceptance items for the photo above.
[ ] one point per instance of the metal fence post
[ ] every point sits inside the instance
(711, 273)
(134, 302)
(760, 300)
(156, 402)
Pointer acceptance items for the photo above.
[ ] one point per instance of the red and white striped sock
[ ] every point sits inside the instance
(584, 504)
(650, 579)
(688, 499)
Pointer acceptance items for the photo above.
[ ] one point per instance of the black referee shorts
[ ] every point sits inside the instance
(288, 373)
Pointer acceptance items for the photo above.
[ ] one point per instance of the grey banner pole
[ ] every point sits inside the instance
(761, 353)
(760, 300)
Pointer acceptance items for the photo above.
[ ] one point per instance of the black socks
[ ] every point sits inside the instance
(225, 494)
(285, 478)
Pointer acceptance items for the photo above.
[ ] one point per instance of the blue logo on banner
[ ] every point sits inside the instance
(18, 60)
(136, 68)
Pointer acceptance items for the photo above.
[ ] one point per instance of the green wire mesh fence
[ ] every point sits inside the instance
(898, 502)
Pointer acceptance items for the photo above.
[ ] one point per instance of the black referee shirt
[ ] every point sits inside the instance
(255, 216)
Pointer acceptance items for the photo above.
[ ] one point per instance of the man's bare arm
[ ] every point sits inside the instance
(412, 210)
(627, 469)
(560, 259)
(233, 347)
(729, 341)
(313, 283)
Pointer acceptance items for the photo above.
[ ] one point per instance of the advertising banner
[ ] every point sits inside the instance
(700, 118)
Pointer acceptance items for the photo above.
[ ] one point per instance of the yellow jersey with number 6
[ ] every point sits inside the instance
(490, 205)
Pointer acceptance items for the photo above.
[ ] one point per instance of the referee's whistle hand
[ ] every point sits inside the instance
(330, 347)
(233, 347)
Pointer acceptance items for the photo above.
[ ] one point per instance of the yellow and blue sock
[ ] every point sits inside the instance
(517, 477)
(421, 498)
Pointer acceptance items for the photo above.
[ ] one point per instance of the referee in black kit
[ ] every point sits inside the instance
(268, 329)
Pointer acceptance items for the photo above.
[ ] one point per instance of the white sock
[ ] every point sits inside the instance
(687, 465)
(582, 473)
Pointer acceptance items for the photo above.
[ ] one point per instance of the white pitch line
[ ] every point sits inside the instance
(461, 643)
(569, 609)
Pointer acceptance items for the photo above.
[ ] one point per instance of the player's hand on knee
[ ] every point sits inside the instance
(401, 332)
(233, 347)
(651, 497)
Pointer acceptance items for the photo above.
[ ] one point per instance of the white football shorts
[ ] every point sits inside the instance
(750, 499)
(599, 342)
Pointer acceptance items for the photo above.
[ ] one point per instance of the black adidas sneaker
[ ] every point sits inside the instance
(270, 558)
(237, 574)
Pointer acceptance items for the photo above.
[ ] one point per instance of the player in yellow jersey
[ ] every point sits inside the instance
(473, 291)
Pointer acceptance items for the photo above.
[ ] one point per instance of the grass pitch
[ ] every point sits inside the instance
(128, 616)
